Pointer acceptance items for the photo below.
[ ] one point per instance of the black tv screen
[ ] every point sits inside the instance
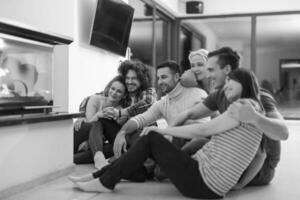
(111, 26)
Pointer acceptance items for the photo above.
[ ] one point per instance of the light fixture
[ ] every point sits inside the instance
(194, 7)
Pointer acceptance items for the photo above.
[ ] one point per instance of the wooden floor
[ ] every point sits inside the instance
(286, 184)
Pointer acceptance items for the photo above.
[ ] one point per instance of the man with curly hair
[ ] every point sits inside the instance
(138, 82)
(140, 97)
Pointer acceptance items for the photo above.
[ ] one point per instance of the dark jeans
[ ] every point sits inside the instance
(264, 176)
(109, 129)
(267, 172)
(102, 128)
(81, 157)
(86, 157)
(81, 135)
(189, 147)
(181, 169)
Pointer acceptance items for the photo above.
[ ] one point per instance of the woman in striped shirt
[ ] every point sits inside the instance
(213, 170)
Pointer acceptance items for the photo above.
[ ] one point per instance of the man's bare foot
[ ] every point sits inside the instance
(92, 186)
(99, 160)
(83, 178)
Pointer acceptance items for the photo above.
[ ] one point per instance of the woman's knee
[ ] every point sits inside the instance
(154, 136)
(96, 124)
(156, 139)
(96, 129)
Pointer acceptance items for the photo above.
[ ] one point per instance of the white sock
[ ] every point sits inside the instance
(82, 178)
(92, 186)
(100, 160)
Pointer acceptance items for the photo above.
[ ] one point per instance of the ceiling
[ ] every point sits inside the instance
(277, 30)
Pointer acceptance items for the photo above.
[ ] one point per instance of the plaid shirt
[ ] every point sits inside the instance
(141, 102)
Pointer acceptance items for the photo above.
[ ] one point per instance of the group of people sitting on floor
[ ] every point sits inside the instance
(217, 139)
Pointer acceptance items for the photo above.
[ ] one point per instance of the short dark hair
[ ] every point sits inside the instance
(172, 65)
(142, 72)
(226, 56)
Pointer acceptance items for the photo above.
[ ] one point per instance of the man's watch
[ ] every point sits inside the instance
(120, 113)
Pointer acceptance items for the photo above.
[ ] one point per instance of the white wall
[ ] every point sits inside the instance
(90, 67)
(30, 151)
(55, 16)
(211, 38)
(171, 4)
(60, 78)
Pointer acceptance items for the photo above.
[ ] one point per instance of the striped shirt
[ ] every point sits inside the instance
(225, 157)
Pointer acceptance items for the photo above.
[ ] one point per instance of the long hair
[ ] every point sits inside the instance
(204, 83)
(121, 80)
(248, 81)
(142, 72)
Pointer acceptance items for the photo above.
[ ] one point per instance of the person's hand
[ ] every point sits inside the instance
(119, 145)
(243, 110)
(237, 187)
(111, 159)
(159, 175)
(111, 113)
(78, 123)
(84, 146)
(148, 129)
(100, 114)
(188, 79)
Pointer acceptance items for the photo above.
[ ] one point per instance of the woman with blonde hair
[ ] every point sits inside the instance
(197, 75)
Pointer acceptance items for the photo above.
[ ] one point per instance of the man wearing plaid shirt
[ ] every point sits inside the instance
(140, 97)
(139, 102)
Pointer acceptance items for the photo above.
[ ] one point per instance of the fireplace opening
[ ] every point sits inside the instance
(25, 75)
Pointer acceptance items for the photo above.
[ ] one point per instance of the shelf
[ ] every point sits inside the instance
(36, 118)
(33, 34)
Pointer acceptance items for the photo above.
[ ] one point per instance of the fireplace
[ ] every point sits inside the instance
(26, 62)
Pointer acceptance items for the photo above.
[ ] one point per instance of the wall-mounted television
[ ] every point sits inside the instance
(111, 26)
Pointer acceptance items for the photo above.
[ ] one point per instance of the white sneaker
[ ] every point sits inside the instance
(100, 160)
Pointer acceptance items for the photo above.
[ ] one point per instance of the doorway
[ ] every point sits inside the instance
(288, 95)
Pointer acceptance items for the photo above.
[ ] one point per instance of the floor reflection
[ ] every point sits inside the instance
(290, 109)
